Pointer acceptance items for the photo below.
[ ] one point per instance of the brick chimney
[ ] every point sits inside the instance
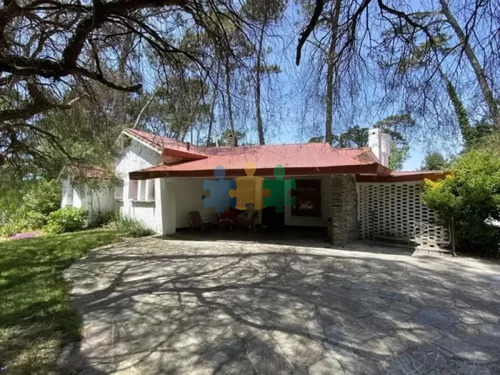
(232, 140)
(380, 143)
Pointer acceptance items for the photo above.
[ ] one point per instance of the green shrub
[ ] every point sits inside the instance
(15, 224)
(130, 227)
(470, 195)
(43, 197)
(101, 219)
(11, 200)
(67, 219)
(36, 220)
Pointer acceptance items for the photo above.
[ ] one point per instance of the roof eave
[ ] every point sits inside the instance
(402, 178)
(373, 168)
(142, 141)
(182, 154)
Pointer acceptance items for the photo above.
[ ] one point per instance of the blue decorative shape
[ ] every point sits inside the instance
(219, 191)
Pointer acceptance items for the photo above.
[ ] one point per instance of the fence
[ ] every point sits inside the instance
(394, 212)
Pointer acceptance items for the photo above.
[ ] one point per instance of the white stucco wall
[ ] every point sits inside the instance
(132, 158)
(81, 196)
(188, 192)
(67, 193)
(174, 198)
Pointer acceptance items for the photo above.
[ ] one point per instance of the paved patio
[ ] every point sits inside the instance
(156, 306)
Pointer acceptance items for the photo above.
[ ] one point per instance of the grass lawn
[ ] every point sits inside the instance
(36, 318)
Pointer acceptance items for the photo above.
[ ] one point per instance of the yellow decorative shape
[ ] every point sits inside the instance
(249, 189)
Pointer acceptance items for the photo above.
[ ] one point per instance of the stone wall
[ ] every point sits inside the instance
(344, 210)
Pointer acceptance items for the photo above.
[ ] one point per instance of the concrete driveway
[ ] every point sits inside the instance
(154, 306)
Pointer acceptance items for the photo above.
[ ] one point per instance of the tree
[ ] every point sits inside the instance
(49, 47)
(327, 58)
(482, 79)
(263, 13)
(468, 198)
(435, 161)
(394, 125)
(355, 136)
(223, 139)
(175, 109)
(332, 67)
(426, 57)
(418, 92)
(399, 154)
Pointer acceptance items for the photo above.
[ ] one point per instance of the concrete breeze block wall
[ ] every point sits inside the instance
(344, 209)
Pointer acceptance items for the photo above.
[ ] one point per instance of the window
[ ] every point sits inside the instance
(308, 198)
(150, 192)
(143, 190)
(119, 192)
(133, 187)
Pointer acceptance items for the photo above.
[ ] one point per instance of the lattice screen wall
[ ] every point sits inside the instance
(394, 212)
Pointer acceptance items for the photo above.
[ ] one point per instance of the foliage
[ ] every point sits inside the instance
(10, 201)
(319, 139)
(435, 161)
(101, 219)
(223, 139)
(67, 219)
(43, 197)
(36, 317)
(85, 132)
(470, 195)
(16, 223)
(176, 110)
(130, 227)
(262, 13)
(36, 220)
(395, 126)
(26, 207)
(355, 136)
(398, 155)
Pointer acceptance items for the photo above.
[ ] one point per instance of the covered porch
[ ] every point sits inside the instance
(311, 212)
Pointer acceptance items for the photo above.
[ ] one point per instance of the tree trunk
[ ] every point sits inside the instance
(476, 65)
(331, 72)
(143, 109)
(460, 112)
(212, 117)
(119, 97)
(228, 93)
(258, 67)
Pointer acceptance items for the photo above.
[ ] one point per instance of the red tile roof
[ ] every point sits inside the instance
(168, 146)
(298, 159)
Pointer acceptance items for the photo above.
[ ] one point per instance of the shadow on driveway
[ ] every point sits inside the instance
(155, 306)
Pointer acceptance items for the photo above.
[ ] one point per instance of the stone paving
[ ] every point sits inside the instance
(155, 306)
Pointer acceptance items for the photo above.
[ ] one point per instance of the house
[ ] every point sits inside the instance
(349, 191)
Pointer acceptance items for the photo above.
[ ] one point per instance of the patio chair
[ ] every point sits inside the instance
(228, 219)
(248, 219)
(196, 221)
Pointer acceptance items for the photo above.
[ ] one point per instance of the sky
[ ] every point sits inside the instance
(368, 110)
(287, 121)
(290, 119)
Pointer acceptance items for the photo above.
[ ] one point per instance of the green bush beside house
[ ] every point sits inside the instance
(470, 196)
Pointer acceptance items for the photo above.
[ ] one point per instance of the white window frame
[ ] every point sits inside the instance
(145, 191)
(118, 192)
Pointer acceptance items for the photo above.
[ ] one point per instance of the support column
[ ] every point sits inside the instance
(165, 213)
(344, 210)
